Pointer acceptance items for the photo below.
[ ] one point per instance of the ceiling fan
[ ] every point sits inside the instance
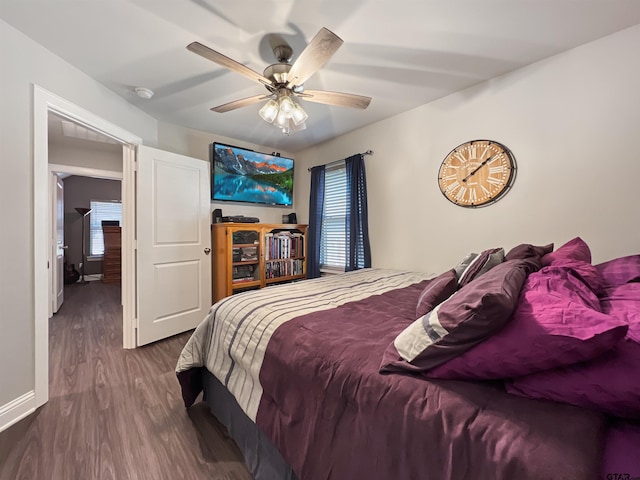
(285, 81)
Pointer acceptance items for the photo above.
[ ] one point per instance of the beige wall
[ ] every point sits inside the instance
(572, 122)
(87, 154)
(79, 192)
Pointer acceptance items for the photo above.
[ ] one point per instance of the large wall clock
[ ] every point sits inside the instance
(477, 173)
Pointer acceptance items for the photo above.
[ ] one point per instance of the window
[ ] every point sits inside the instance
(101, 210)
(334, 215)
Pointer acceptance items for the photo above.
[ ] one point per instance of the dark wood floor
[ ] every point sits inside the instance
(114, 413)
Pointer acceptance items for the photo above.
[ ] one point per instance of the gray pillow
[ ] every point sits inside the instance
(481, 265)
(464, 263)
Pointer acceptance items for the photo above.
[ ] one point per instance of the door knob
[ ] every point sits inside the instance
(207, 251)
(64, 246)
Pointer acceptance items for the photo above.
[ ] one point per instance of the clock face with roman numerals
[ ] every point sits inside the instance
(477, 173)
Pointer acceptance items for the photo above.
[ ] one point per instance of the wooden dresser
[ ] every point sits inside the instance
(112, 254)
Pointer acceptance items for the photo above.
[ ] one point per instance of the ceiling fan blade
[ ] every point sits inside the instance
(243, 102)
(314, 56)
(335, 98)
(220, 59)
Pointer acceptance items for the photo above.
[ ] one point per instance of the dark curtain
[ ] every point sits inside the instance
(358, 251)
(316, 204)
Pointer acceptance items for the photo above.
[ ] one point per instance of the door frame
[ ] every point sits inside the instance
(43, 103)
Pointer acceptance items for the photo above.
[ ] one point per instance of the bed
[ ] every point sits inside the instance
(382, 374)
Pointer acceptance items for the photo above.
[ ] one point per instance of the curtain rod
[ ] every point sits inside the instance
(368, 152)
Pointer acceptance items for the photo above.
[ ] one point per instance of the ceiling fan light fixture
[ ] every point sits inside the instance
(269, 111)
(284, 112)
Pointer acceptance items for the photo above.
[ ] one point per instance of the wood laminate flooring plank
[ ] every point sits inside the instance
(114, 413)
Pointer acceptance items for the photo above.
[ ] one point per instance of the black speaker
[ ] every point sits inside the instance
(217, 215)
(293, 218)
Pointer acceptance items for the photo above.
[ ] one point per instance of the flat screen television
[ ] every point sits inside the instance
(242, 175)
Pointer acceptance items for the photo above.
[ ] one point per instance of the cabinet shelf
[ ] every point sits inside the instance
(269, 243)
(245, 283)
(288, 278)
(283, 259)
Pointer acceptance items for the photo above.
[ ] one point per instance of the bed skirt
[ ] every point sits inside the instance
(262, 459)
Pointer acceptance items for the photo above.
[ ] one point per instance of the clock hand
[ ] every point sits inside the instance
(476, 170)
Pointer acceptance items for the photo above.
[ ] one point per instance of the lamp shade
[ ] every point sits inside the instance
(83, 211)
(299, 127)
(286, 105)
(298, 115)
(269, 111)
(281, 119)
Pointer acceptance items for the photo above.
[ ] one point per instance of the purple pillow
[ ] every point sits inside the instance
(470, 315)
(619, 271)
(576, 255)
(526, 250)
(609, 383)
(437, 291)
(573, 250)
(481, 265)
(557, 322)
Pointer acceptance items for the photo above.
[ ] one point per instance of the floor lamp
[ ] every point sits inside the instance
(84, 212)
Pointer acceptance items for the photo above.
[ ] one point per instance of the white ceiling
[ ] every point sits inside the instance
(403, 54)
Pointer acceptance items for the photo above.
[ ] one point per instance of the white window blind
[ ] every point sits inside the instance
(101, 210)
(334, 214)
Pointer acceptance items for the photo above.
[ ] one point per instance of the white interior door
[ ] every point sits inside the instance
(174, 243)
(58, 245)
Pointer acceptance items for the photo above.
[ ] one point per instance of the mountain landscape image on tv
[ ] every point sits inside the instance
(242, 175)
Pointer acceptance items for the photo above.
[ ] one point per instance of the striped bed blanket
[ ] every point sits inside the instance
(232, 340)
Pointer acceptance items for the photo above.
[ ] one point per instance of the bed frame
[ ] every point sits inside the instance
(260, 455)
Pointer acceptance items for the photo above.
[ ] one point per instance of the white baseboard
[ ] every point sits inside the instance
(17, 409)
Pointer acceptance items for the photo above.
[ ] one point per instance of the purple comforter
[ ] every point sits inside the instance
(334, 416)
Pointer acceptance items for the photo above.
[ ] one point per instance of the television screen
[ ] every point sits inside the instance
(242, 175)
